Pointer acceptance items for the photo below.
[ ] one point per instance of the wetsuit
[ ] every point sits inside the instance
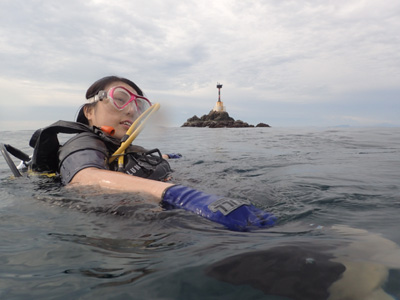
(91, 148)
(86, 150)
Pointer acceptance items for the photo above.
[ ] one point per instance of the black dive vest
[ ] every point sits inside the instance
(137, 161)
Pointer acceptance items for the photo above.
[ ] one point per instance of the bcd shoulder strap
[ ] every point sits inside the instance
(46, 144)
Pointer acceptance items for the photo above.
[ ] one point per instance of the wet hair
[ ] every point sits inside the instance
(100, 85)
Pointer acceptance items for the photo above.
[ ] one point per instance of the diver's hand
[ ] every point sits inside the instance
(173, 155)
(233, 213)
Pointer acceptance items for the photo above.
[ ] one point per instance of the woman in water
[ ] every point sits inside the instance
(84, 159)
(115, 102)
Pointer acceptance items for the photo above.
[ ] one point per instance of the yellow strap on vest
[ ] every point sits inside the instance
(133, 132)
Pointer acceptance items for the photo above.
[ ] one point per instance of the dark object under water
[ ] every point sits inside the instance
(299, 272)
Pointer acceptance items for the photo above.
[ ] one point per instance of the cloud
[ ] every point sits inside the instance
(289, 53)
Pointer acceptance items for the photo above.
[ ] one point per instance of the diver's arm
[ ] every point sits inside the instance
(172, 155)
(121, 182)
(233, 213)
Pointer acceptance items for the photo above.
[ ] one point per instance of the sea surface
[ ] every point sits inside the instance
(334, 191)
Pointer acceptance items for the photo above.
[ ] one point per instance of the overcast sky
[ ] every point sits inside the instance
(285, 63)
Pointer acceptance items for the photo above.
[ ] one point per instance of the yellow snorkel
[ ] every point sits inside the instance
(132, 133)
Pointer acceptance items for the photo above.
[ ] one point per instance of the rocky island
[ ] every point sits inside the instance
(218, 118)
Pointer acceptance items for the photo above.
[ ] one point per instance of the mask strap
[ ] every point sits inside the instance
(100, 96)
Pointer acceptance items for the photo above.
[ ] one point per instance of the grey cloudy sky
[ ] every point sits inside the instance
(285, 63)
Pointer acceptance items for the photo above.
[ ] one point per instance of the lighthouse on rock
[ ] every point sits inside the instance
(219, 106)
(218, 117)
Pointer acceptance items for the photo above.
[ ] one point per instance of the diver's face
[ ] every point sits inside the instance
(104, 113)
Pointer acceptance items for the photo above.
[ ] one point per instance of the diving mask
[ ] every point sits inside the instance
(120, 98)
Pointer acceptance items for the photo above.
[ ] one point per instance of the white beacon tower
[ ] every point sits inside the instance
(219, 106)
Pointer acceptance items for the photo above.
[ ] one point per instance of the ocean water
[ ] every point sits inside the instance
(335, 192)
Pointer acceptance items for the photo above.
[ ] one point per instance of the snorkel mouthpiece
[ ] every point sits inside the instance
(108, 130)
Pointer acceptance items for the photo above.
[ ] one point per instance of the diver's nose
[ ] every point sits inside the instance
(131, 109)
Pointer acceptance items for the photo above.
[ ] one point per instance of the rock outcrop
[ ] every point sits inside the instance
(218, 119)
(262, 125)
